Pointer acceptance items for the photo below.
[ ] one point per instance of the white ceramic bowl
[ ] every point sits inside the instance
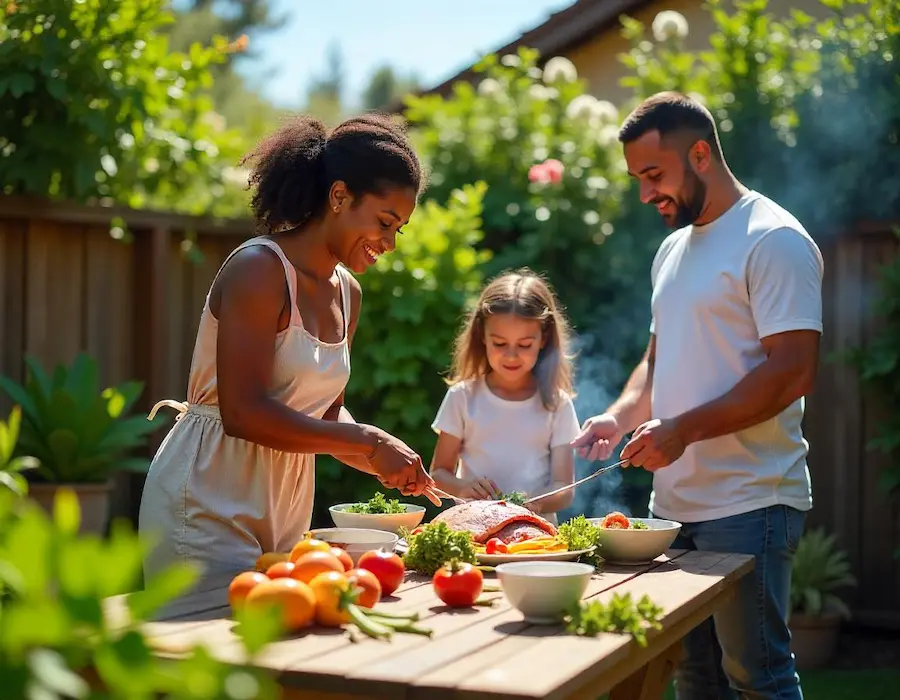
(357, 541)
(543, 590)
(636, 546)
(390, 522)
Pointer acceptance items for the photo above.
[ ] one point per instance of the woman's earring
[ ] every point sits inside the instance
(336, 209)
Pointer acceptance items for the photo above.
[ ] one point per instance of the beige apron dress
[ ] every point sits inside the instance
(220, 501)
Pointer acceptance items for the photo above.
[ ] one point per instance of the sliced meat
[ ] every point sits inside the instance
(487, 519)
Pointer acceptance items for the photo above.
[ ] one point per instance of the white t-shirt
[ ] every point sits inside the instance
(506, 441)
(718, 289)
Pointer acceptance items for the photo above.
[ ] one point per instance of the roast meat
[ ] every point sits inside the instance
(505, 521)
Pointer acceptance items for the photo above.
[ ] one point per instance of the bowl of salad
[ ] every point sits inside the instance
(624, 540)
(378, 513)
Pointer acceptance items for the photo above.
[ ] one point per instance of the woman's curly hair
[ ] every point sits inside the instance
(293, 169)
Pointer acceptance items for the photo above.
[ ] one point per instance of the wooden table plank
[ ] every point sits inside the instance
(685, 589)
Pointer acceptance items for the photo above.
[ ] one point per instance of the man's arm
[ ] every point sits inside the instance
(787, 373)
(633, 406)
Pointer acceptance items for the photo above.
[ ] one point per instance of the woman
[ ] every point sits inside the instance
(235, 475)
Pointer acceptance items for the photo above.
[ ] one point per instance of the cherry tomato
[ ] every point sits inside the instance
(496, 546)
(387, 567)
(368, 582)
(458, 584)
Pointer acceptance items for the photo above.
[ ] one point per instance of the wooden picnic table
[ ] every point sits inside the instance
(477, 653)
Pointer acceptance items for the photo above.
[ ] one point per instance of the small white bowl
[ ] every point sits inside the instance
(543, 590)
(636, 546)
(357, 541)
(389, 522)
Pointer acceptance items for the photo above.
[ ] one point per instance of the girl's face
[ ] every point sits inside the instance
(512, 344)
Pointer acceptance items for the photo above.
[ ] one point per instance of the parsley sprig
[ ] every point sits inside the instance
(580, 533)
(429, 549)
(621, 614)
(378, 505)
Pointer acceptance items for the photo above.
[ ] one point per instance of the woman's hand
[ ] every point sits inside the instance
(397, 465)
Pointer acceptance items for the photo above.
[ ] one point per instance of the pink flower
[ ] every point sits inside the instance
(549, 172)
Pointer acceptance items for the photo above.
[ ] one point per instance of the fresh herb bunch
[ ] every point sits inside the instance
(620, 614)
(515, 497)
(580, 533)
(378, 505)
(433, 546)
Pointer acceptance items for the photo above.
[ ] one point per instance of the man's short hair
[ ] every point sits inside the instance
(671, 114)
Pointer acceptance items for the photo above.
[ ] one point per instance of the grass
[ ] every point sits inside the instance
(871, 684)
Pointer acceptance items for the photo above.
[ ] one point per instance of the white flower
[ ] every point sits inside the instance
(488, 87)
(542, 93)
(582, 107)
(560, 69)
(510, 60)
(605, 112)
(669, 24)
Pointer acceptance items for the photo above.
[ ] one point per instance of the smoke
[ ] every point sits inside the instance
(598, 381)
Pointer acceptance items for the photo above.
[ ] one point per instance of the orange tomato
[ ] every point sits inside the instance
(368, 582)
(311, 564)
(308, 544)
(295, 599)
(281, 569)
(267, 559)
(241, 585)
(342, 556)
(331, 590)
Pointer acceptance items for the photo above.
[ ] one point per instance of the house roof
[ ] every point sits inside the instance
(562, 32)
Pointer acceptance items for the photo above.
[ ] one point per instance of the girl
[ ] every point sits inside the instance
(508, 418)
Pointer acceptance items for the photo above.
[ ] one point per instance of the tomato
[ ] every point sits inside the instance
(308, 544)
(241, 585)
(342, 556)
(331, 591)
(495, 546)
(387, 567)
(368, 582)
(458, 584)
(281, 569)
(615, 521)
(311, 564)
(295, 599)
(416, 531)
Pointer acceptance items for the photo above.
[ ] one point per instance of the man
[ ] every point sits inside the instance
(717, 400)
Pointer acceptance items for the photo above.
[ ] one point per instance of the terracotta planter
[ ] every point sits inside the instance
(93, 499)
(814, 639)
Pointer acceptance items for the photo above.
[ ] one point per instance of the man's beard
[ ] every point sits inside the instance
(687, 208)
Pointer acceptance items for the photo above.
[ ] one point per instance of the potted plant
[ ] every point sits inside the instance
(12, 466)
(78, 434)
(819, 569)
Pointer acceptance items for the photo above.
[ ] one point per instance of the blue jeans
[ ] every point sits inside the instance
(744, 649)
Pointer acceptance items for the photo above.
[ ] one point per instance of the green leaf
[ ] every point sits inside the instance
(258, 627)
(66, 511)
(162, 589)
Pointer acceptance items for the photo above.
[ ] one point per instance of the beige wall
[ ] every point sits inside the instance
(597, 62)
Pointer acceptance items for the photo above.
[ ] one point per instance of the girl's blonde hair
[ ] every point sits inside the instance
(526, 295)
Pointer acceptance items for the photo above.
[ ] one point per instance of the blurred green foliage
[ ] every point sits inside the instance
(54, 633)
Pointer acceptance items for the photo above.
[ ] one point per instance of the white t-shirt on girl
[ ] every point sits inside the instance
(508, 442)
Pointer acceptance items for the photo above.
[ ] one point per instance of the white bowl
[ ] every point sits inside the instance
(357, 541)
(543, 590)
(636, 546)
(389, 522)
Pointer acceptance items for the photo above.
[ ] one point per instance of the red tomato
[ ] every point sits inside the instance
(387, 567)
(458, 585)
(371, 587)
(496, 546)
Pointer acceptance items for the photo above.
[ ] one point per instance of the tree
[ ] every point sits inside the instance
(385, 89)
(94, 105)
(324, 96)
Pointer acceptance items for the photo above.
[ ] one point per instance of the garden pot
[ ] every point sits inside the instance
(92, 498)
(814, 639)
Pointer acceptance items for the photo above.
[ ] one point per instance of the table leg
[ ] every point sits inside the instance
(650, 681)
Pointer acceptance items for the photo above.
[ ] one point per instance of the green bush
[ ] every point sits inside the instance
(53, 630)
(94, 105)
(518, 117)
(412, 308)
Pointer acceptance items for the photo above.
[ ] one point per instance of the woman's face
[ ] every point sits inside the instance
(367, 227)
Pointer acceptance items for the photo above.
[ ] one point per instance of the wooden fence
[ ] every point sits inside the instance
(67, 285)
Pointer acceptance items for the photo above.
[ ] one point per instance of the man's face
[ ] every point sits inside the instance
(667, 180)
